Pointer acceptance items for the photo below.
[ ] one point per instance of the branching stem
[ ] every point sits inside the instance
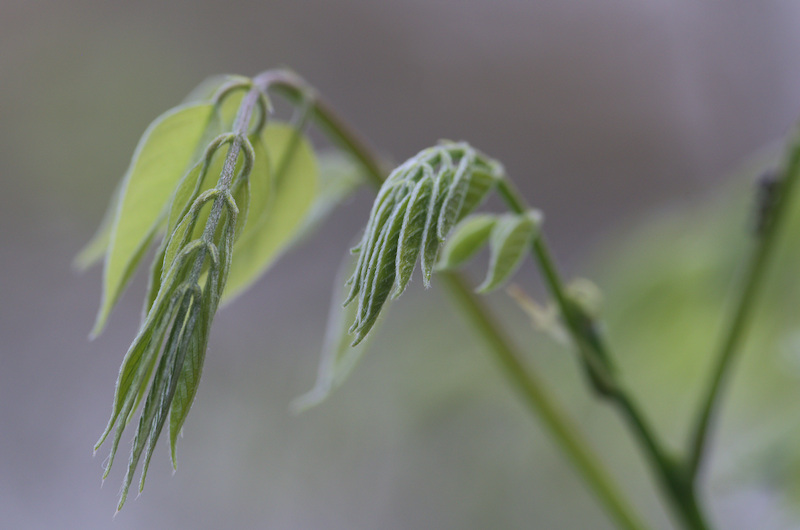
(527, 383)
(594, 353)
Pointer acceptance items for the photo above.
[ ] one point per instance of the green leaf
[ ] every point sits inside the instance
(167, 148)
(466, 240)
(430, 238)
(209, 86)
(484, 178)
(340, 175)
(96, 248)
(338, 357)
(260, 191)
(381, 273)
(411, 233)
(294, 190)
(457, 192)
(509, 241)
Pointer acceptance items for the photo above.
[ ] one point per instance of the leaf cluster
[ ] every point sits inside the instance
(412, 215)
(221, 216)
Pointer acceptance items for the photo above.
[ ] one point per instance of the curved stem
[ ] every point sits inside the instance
(297, 91)
(743, 310)
(598, 363)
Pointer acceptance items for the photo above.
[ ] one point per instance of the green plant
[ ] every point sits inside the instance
(222, 217)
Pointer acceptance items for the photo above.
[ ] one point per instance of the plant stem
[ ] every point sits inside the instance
(743, 310)
(598, 362)
(540, 403)
(297, 91)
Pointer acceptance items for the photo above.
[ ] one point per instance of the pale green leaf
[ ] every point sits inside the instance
(95, 250)
(466, 240)
(340, 176)
(165, 151)
(294, 190)
(209, 86)
(338, 357)
(509, 241)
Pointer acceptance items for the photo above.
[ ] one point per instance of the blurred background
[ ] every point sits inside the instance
(603, 112)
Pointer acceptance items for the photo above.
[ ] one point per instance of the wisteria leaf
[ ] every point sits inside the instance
(466, 240)
(97, 247)
(509, 241)
(294, 190)
(340, 176)
(338, 357)
(209, 86)
(167, 148)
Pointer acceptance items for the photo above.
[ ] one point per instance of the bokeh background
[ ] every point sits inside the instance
(603, 112)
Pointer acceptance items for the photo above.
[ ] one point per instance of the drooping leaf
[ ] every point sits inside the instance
(485, 176)
(167, 148)
(466, 240)
(338, 357)
(209, 86)
(260, 190)
(377, 288)
(456, 193)
(430, 238)
(97, 247)
(509, 241)
(294, 190)
(410, 240)
(339, 177)
(191, 370)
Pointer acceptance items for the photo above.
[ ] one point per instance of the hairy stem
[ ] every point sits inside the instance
(297, 91)
(598, 362)
(743, 310)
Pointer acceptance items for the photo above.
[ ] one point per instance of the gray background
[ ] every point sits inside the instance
(600, 111)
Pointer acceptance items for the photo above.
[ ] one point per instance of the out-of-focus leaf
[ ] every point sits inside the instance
(339, 177)
(509, 241)
(209, 86)
(338, 357)
(167, 148)
(466, 240)
(97, 247)
(294, 189)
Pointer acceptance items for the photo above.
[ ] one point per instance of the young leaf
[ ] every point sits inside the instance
(430, 238)
(339, 177)
(451, 208)
(294, 189)
(338, 357)
(97, 247)
(167, 148)
(509, 241)
(466, 240)
(410, 240)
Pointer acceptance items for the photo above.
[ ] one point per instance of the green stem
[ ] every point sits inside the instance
(743, 310)
(540, 403)
(598, 362)
(297, 91)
